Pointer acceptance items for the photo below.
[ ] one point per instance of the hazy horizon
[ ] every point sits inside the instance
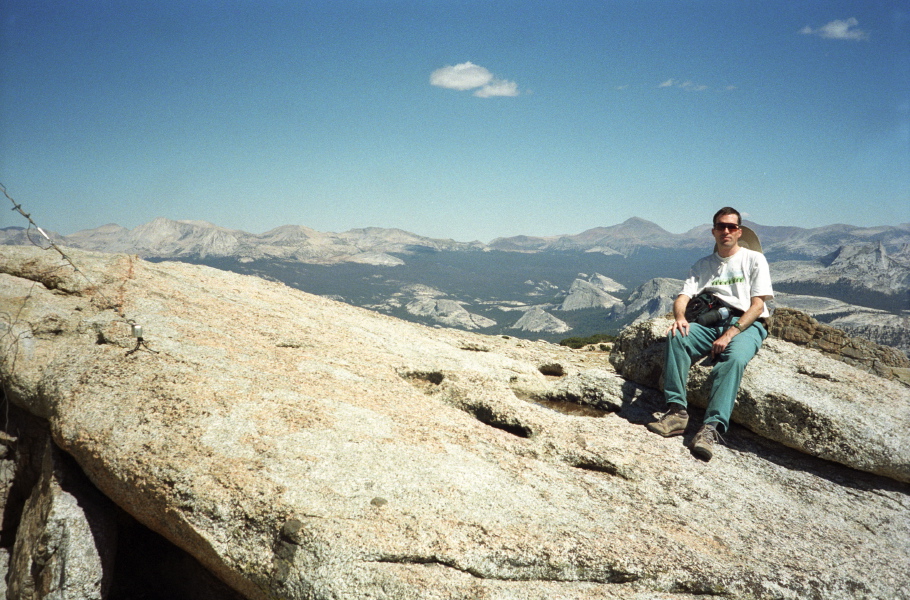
(469, 120)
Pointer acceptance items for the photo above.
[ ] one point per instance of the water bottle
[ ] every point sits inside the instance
(713, 317)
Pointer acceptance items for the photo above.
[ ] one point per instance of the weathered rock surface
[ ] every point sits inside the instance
(800, 398)
(876, 325)
(891, 331)
(799, 328)
(305, 449)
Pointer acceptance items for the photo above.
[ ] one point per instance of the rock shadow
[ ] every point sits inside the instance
(639, 403)
(746, 441)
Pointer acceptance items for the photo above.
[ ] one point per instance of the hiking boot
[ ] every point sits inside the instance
(673, 422)
(703, 442)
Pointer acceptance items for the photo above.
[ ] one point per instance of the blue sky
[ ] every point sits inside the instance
(464, 120)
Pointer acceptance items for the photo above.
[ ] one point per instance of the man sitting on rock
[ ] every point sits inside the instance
(739, 283)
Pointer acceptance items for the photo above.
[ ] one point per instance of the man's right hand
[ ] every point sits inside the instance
(680, 325)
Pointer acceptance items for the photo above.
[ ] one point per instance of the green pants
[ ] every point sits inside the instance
(727, 373)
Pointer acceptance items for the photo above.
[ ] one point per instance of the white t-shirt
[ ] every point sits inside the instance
(735, 279)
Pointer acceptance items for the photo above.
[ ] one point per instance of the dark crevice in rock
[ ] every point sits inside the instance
(20, 466)
(552, 370)
(429, 561)
(612, 576)
(589, 401)
(700, 589)
(598, 467)
(486, 416)
(151, 568)
(423, 560)
(434, 377)
(567, 405)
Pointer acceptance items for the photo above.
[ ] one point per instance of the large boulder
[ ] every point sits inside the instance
(301, 448)
(795, 326)
(801, 398)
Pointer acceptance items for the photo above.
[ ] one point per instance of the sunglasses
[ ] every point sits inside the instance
(729, 226)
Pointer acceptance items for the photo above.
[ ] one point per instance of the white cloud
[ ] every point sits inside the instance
(689, 86)
(838, 30)
(498, 87)
(465, 76)
(468, 76)
(692, 87)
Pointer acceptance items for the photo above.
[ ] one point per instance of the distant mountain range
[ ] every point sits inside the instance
(779, 243)
(165, 238)
(595, 281)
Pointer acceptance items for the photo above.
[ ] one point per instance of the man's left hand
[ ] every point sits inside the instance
(755, 310)
(721, 343)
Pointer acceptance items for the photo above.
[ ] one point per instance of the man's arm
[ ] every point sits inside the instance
(749, 317)
(679, 316)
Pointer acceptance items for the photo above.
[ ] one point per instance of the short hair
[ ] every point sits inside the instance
(728, 210)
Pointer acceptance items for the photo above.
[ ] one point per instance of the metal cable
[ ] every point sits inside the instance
(135, 328)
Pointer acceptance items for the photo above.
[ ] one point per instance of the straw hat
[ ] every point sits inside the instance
(749, 239)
